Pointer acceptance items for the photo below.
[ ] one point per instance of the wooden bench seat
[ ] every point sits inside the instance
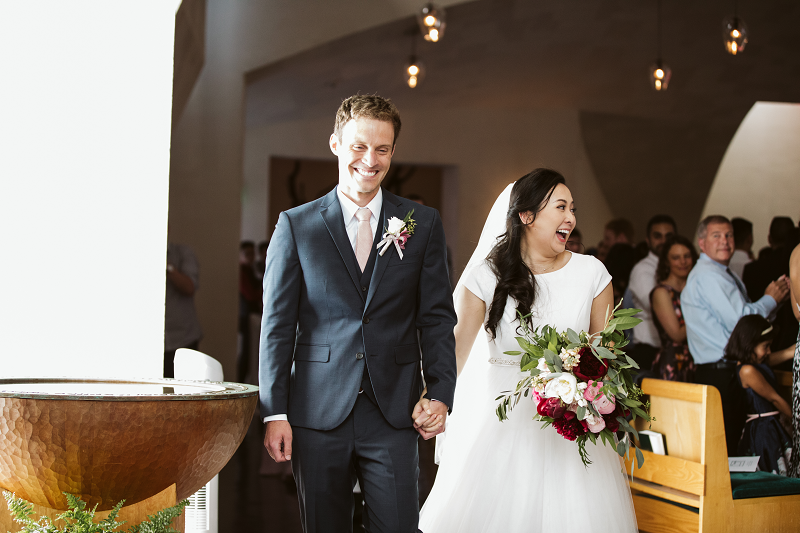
(689, 490)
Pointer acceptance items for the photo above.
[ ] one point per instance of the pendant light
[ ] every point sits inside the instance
(734, 32)
(431, 19)
(660, 73)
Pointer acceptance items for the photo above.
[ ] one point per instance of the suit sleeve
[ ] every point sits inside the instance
(282, 282)
(436, 318)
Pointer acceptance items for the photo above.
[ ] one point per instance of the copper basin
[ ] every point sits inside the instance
(109, 440)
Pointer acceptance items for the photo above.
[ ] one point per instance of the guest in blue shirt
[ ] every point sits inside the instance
(712, 302)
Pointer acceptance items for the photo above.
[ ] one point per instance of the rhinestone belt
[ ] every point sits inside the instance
(504, 362)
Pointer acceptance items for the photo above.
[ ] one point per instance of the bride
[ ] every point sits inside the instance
(514, 476)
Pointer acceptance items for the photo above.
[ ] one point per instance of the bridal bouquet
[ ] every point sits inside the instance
(581, 383)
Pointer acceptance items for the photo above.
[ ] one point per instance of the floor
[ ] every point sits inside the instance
(255, 496)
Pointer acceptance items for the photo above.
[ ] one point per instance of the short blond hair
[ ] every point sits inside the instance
(367, 106)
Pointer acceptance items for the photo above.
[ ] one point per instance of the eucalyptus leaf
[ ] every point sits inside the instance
(639, 458)
(581, 412)
(596, 341)
(631, 361)
(621, 449)
(605, 353)
(573, 337)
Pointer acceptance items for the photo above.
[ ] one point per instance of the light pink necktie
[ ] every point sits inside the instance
(364, 237)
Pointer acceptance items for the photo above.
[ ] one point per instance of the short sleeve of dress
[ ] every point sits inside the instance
(601, 276)
(481, 281)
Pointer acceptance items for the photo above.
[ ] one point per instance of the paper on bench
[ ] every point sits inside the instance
(743, 464)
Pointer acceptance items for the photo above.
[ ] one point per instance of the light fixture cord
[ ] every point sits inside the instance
(658, 22)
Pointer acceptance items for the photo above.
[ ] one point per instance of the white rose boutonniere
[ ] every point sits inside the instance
(397, 232)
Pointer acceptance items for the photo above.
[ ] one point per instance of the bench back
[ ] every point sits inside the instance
(695, 472)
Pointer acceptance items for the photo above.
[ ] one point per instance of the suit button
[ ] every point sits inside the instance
(359, 356)
(366, 320)
(363, 289)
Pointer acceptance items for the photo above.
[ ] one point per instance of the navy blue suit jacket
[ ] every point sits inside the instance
(317, 318)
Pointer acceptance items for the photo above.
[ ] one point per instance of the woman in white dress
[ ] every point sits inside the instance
(514, 476)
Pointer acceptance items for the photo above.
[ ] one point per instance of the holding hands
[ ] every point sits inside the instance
(429, 417)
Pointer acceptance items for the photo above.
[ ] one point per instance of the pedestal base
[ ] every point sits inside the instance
(131, 514)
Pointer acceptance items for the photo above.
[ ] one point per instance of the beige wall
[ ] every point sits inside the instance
(759, 177)
(206, 186)
(487, 149)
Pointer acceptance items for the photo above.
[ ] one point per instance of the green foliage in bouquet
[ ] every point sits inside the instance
(78, 520)
(559, 352)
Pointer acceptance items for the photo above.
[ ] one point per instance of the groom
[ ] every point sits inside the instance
(344, 330)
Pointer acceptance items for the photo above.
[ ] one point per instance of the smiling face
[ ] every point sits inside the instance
(680, 260)
(365, 154)
(718, 242)
(762, 350)
(549, 231)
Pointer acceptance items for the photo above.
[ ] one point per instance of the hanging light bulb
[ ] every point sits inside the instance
(431, 22)
(660, 74)
(414, 72)
(734, 34)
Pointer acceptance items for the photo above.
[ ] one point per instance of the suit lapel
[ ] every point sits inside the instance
(331, 212)
(392, 207)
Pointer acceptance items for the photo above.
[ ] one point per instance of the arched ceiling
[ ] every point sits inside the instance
(587, 55)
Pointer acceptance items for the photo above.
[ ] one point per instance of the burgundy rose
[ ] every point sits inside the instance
(612, 424)
(552, 407)
(569, 426)
(590, 366)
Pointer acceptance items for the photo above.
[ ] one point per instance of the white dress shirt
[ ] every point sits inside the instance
(738, 260)
(642, 282)
(349, 209)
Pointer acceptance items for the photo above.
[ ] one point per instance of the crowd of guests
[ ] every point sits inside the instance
(724, 317)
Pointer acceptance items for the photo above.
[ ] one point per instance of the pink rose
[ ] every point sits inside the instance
(592, 390)
(595, 425)
(603, 404)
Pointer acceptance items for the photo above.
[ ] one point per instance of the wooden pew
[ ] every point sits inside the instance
(692, 483)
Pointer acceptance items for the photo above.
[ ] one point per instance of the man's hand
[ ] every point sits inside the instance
(278, 440)
(429, 417)
(778, 289)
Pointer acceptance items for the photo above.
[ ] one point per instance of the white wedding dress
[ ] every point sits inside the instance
(513, 476)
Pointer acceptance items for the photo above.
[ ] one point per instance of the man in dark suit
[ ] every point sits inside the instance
(344, 324)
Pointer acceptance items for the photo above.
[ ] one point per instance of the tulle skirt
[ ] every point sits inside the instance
(513, 476)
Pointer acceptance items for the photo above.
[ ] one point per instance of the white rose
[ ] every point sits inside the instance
(542, 366)
(395, 225)
(564, 386)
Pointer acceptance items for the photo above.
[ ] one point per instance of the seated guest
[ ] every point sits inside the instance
(712, 302)
(743, 244)
(617, 231)
(763, 433)
(575, 242)
(642, 283)
(674, 361)
(772, 263)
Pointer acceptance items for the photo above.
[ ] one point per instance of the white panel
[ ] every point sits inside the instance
(85, 129)
(759, 177)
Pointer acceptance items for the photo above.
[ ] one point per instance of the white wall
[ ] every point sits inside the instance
(85, 133)
(759, 177)
(487, 148)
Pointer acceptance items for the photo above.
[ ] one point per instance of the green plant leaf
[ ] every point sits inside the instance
(639, 457)
(573, 337)
(624, 322)
(581, 412)
(626, 312)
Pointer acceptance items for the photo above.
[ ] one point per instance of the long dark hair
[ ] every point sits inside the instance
(750, 331)
(662, 270)
(514, 278)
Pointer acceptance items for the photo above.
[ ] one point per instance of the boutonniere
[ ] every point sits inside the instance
(397, 232)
